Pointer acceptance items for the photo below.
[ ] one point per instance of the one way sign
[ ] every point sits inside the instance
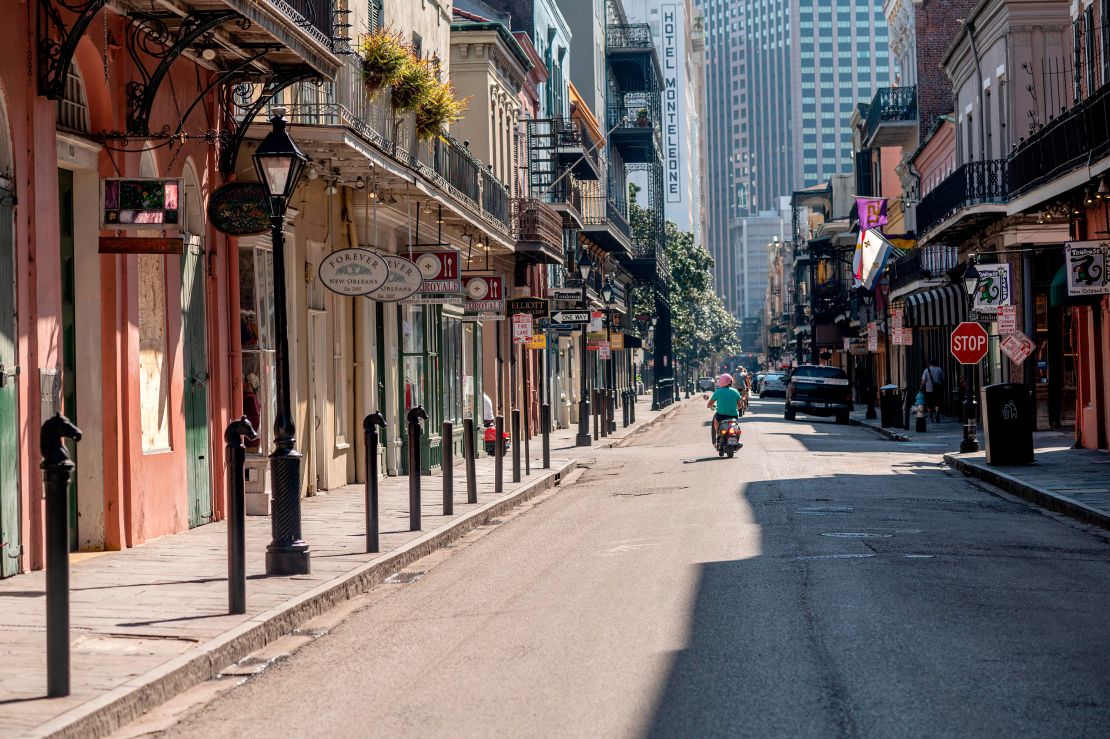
(571, 317)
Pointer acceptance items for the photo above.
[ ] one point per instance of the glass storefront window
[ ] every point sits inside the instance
(256, 331)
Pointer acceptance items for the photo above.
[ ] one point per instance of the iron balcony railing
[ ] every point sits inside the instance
(537, 222)
(1073, 139)
(318, 17)
(442, 160)
(637, 110)
(572, 136)
(930, 262)
(600, 210)
(974, 183)
(892, 105)
(629, 36)
(566, 191)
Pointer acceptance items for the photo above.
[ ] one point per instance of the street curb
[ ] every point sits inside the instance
(664, 415)
(1045, 498)
(879, 430)
(124, 704)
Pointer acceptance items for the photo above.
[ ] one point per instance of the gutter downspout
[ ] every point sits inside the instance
(969, 29)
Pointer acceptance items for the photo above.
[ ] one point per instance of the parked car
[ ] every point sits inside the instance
(706, 384)
(773, 386)
(818, 391)
(757, 381)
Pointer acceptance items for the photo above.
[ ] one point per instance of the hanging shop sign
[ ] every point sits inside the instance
(594, 340)
(616, 341)
(1086, 263)
(569, 294)
(523, 330)
(1007, 320)
(353, 271)
(535, 307)
(402, 281)
(442, 284)
(993, 288)
(239, 209)
(1017, 346)
(131, 203)
(140, 245)
(484, 296)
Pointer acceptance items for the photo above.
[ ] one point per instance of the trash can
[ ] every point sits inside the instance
(1008, 423)
(890, 406)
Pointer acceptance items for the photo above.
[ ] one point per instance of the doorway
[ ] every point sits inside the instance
(198, 472)
(10, 542)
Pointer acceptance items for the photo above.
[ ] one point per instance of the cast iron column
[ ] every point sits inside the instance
(583, 438)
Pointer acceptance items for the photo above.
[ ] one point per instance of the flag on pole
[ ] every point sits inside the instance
(872, 212)
(872, 251)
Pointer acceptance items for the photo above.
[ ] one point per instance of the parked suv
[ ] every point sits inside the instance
(818, 391)
(706, 383)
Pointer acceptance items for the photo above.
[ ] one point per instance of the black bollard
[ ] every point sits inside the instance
(632, 410)
(237, 514)
(516, 444)
(626, 406)
(545, 424)
(469, 452)
(448, 446)
(612, 405)
(527, 442)
(370, 426)
(57, 468)
(596, 406)
(498, 454)
(603, 411)
(415, 416)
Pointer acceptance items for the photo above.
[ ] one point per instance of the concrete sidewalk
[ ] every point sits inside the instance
(1075, 482)
(150, 622)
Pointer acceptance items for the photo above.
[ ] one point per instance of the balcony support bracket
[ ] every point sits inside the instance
(239, 98)
(150, 37)
(58, 42)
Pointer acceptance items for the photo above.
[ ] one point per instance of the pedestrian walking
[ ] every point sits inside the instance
(932, 380)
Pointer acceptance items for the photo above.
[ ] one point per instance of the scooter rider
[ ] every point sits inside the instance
(725, 400)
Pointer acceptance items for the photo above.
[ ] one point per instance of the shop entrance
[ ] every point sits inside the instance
(10, 548)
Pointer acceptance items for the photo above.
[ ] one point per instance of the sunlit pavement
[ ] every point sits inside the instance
(825, 582)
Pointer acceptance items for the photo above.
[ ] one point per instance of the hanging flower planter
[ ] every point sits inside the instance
(413, 85)
(437, 110)
(384, 59)
(642, 119)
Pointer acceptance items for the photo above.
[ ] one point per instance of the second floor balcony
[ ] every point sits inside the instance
(929, 262)
(974, 193)
(892, 118)
(605, 223)
(539, 231)
(635, 127)
(630, 53)
(576, 148)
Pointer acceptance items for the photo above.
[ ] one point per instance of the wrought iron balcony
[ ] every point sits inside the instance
(975, 183)
(932, 261)
(315, 16)
(629, 36)
(577, 149)
(630, 52)
(1073, 139)
(539, 230)
(892, 117)
(605, 223)
(635, 127)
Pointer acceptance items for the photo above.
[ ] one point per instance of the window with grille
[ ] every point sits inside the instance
(73, 108)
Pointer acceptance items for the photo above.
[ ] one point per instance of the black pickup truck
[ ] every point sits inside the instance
(818, 391)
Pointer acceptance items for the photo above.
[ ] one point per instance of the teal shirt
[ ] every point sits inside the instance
(727, 400)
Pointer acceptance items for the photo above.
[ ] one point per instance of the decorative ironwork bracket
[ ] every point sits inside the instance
(150, 36)
(235, 126)
(58, 42)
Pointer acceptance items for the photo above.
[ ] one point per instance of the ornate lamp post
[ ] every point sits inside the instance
(610, 393)
(279, 164)
(585, 266)
(969, 443)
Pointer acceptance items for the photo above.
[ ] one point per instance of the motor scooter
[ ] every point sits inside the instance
(489, 437)
(727, 438)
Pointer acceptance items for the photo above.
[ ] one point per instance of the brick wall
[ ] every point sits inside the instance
(937, 27)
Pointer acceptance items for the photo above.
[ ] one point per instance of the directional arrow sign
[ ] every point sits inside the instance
(571, 317)
(566, 293)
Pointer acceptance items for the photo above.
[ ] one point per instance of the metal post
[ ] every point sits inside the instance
(597, 410)
(970, 443)
(236, 514)
(287, 553)
(57, 468)
(516, 444)
(370, 426)
(626, 408)
(545, 423)
(498, 453)
(448, 446)
(415, 416)
(469, 452)
(583, 438)
(527, 369)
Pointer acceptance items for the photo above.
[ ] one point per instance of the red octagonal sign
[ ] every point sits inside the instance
(969, 343)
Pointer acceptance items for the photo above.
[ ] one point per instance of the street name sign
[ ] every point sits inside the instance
(566, 293)
(571, 317)
(969, 343)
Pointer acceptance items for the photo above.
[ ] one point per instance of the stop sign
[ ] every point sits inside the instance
(969, 343)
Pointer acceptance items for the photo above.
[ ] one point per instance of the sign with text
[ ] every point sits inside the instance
(572, 294)
(402, 281)
(522, 328)
(597, 320)
(901, 336)
(1017, 346)
(534, 307)
(539, 341)
(140, 245)
(872, 337)
(352, 271)
(440, 271)
(616, 341)
(1007, 319)
(484, 292)
(604, 351)
(993, 288)
(1086, 263)
(968, 343)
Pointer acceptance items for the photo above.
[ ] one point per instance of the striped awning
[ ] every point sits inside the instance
(941, 306)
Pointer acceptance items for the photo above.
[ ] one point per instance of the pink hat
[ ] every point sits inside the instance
(724, 380)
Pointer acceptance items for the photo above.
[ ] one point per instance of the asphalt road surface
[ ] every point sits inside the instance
(825, 583)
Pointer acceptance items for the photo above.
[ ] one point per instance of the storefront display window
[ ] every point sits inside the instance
(256, 331)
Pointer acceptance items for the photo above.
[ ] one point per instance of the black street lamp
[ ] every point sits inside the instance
(970, 443)
(585, 265)
(610, 394)
(279, 164)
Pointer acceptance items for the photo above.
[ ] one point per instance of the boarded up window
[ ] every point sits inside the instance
(154, 387)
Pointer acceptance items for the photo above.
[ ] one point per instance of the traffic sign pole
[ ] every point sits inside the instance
(968, 345)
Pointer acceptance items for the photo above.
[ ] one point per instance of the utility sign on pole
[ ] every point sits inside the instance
(522, 328)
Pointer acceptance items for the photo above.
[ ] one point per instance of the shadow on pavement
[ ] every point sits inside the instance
(919, 608)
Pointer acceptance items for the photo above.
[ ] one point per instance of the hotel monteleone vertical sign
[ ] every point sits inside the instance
(672, 124)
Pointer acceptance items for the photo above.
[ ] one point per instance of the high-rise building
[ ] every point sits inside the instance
(673, 27)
